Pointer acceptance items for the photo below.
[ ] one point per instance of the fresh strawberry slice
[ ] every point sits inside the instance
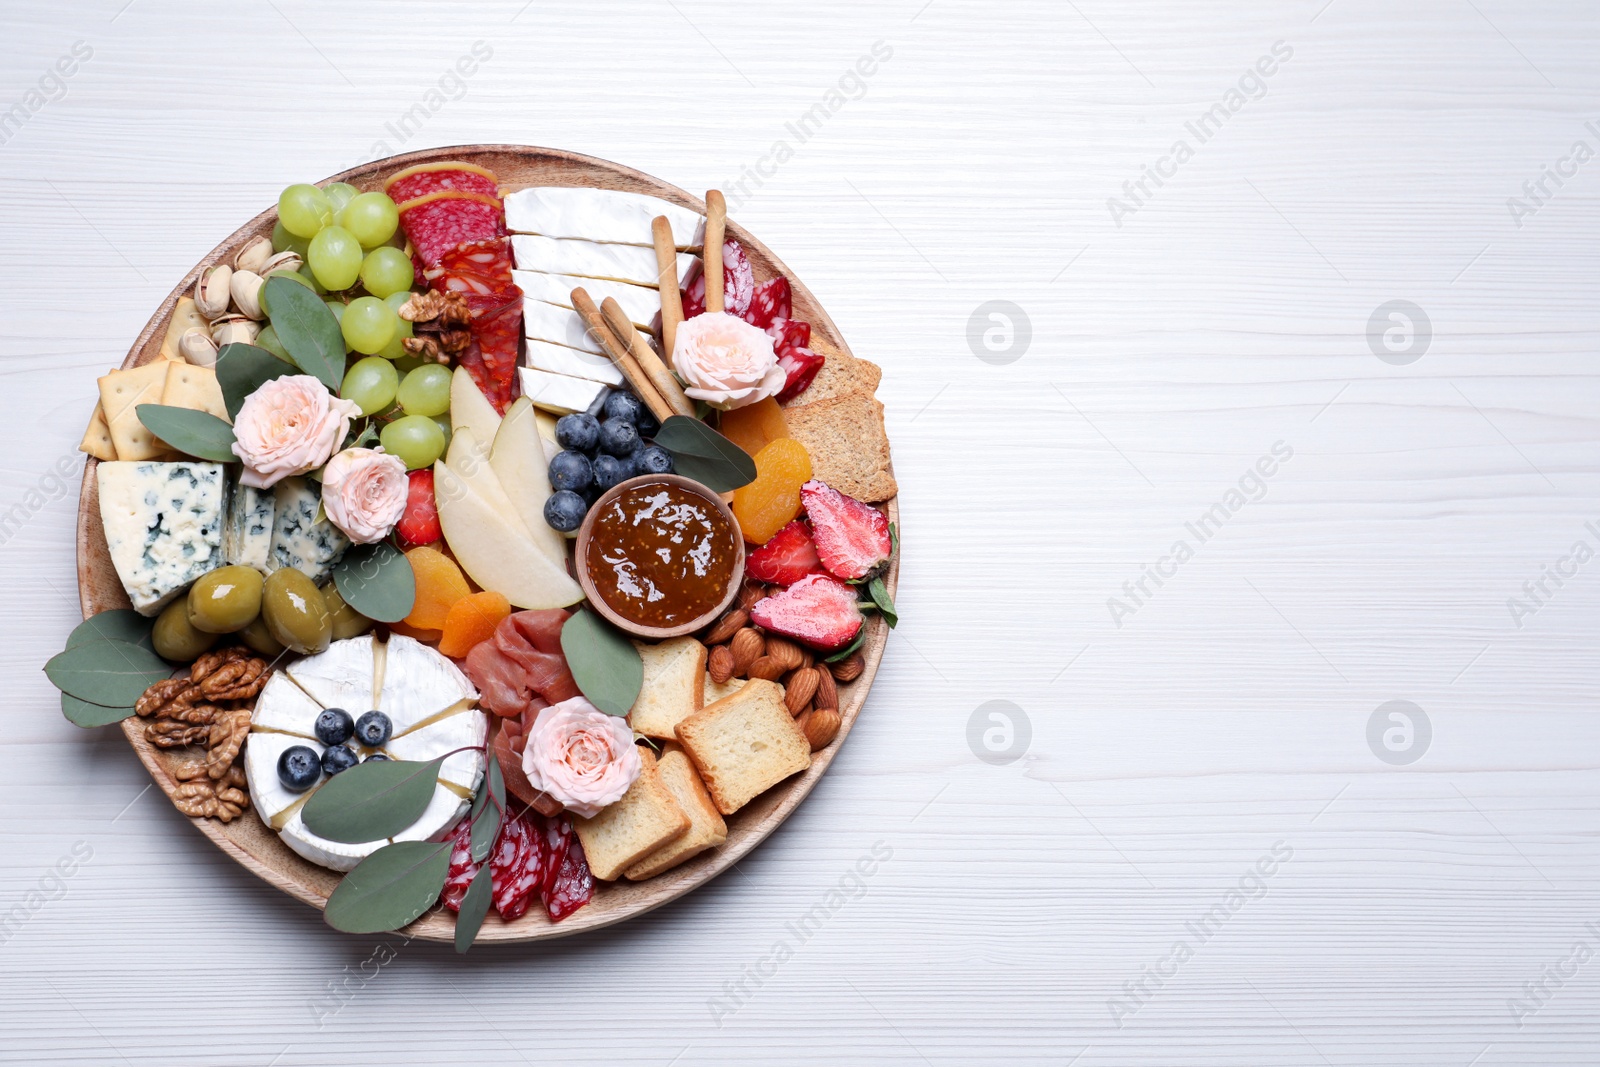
(770, 303)
(852, 538)
(801, 365)
(788, 557)
(818, 610)
(420, 523)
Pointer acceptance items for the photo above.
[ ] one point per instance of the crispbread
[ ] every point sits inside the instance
(744, 744)
(121, 392)
(848, 444)
(646, 818)
(674, 686)
(97, 438)
(189, 386)
(706, 828)
(840, 375)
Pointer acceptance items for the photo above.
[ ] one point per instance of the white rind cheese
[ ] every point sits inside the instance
(163, 524)
(561, 394)
(558, 325)
(640, 304)
(340, 677)
(298, 540)
(247, 537)
(418, 683)
(558, 359)
(605, 215)
(591, 259)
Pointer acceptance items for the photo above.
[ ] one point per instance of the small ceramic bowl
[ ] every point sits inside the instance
(657, 633)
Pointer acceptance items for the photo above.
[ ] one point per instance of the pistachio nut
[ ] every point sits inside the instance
(282, 261)
(197, 347)
(211, 292)
(255, 252)
(234, 328)
(246, 288)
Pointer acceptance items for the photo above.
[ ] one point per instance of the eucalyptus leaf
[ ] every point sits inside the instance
(119, 624)
(487, 811)
(474, 908)
(242, 369)
(880, 596)
(82, 713)
(604, 663)
(701, 453)
(848, 650)
(307, 330)
(197, 433)
(389, 888)
(113, 674)
(377, 581)
(372, 800)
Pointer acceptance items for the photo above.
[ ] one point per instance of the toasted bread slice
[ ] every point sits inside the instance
(744, 744)
(715, 692)
(646, 818)
(848, 444)
(674, 686)
(706, 828)
(840, 375)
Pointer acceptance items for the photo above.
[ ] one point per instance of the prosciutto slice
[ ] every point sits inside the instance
(522, 661)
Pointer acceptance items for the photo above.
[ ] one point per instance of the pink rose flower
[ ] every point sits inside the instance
(581, 756)
(289, 426)
(364, 493)
(725, 361)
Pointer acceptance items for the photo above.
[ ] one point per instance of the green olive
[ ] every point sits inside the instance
(175, 639)
(347, 621)
(296, 614)
(260, 639)
(225, 600)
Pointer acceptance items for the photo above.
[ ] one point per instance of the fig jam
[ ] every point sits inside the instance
(661, 555)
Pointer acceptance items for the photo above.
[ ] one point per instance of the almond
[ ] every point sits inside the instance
(720, 664)
(785, 652)
(827, 691)
(727, 626)
(849, 669)
(799, 690)
(766, 667)
(746, 645)
(806, 658)
(821, 726)
(751, 592)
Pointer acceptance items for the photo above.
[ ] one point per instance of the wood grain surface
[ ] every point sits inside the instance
(1023, 910)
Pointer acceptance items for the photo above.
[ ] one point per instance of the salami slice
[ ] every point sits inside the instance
(428, 178)
(462, 869)
(516, 866)
(438, 222)
(574, 884)
(481, 272)
(801, 364)
(789, 333)
(558, 839)
(772, 301)
(738, 279)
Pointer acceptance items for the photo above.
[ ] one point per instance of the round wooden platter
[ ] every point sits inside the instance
(258, 849)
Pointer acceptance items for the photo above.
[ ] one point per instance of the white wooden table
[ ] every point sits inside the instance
(1430, 891)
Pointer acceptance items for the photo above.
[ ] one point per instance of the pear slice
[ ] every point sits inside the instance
(518, 460)
(547, 434)
(469, 459)
(493, 546)
(470, 408)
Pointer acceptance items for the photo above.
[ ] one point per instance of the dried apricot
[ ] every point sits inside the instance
(754, 426)
(426, 636)
(767, 504)
(471, 621)
(440, 584)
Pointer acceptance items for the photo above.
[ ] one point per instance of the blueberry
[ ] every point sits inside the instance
(624, 406)
(580, 432)
(571, 470)
(338, 758)
(652, 459)
(609, 470)
(299, 768)
(565, 510)
(376, 757)
(373, 729)
(334, 726)
(618, 437)
(647, 422)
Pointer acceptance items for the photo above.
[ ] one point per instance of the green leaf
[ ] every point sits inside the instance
(372, 800)
(82, 713)
(198, 433)
(474, 908)
(113, 674)
(120, 624)
(389, 888)
(604, 663)
(880, 596)
(377, 581)
(847, 650)
(701, 453)
(307, 330)
(242, 369)
(487, 809)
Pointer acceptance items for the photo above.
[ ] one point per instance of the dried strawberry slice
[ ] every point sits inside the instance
(771, 303)
(801, 366)
(574, 885)
(462, 869)
(515, 867)
(818, 610)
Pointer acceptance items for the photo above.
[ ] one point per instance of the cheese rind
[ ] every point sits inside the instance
(592, 259)
(558, 325)
(640, 304)
(605, 215)
(559, 393)
(298, 540)
(247, 537)
(163, 524)
(419, 683)
(558, 359)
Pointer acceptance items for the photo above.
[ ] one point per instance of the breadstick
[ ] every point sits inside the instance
(716, 226)
(620, 354)
(667, 278)
(660, 377)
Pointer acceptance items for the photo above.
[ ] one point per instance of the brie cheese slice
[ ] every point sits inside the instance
(606, 215)
(591, 259)
(558, 359)
(559, 325)
(560, 393)
(640, 304)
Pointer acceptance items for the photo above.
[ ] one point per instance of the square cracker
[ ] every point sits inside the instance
(674, 686)
(97, 438)
(189, 386)
(185, 316)
(744, 744)
(121, 392)
(848, 444)
(646, 818)
(706, 828)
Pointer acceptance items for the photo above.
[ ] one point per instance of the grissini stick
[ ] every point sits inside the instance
(618, 350)
(665, 384)
(716, 227)
(667, 278)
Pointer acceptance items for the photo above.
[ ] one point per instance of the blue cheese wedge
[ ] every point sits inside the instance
(163, 524)
(247, 537)
(639, 303)
(606, 215)
(560, 393)
(558, 359)
(298, 539)
(591, 259)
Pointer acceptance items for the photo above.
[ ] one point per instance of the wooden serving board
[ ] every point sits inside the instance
(258, 849)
